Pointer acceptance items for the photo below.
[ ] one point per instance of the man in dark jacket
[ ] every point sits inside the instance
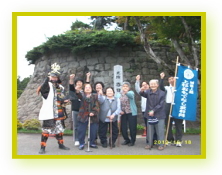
(155, 113)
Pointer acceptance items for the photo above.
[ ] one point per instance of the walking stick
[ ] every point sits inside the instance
(88, 150)
(111, 142)
(118, 141)
(168, 124)
(72, 96)
(73, 127)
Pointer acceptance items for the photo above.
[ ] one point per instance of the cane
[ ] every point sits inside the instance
(111, 142)
(118, 141)
(72, 96)
(73, 127)
(88, 150)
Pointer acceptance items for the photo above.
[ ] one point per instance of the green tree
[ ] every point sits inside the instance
(181, 29)
(21, 85)
(175, 29)
(129, 23)
(80, 25)
(99, 22)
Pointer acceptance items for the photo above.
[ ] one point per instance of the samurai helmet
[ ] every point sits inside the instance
(55, 70)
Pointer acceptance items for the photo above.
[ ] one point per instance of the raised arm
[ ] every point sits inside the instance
(161, 85)
(45, 88)
(130, 94)
(71, 82)
(88, 77)
(101, 97)
(143, 92)
(71, 79)
(118, 110)
(137, 84)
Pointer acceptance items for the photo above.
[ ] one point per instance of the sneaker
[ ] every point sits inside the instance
(125, 142)
(131, 144)
(76, 143)
(104, 145)
(93, 146)
(42, 150)
(178, 144)
(81, 147)
(113, 145)
(168, 143)
(61, 146)
(173, 143)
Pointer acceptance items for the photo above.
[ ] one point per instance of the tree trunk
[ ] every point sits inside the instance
(126, 24)
(194, 49)
(147, 46)
(180, 51)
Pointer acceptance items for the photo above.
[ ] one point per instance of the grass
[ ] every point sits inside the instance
(193, 131)
(29, 131)
(70, 132)
(66, 132)
(190, 131)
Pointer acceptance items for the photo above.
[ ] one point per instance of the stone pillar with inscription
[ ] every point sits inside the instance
(117, 78)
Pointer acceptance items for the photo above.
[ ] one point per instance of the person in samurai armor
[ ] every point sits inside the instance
(52, 112)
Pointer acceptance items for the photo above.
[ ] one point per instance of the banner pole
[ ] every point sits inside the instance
(174, 84)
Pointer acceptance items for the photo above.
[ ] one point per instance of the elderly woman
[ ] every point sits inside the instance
(109, 111)
(76, 103)
(89, 107)
(128, 114)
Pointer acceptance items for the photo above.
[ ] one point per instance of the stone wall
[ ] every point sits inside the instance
(100, 63)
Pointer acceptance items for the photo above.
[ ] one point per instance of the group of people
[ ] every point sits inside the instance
(103, 107)
(100, 110)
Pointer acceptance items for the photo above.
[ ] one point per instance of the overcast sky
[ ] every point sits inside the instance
(34, 30)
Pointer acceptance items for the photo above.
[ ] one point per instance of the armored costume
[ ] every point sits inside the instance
(53, 111)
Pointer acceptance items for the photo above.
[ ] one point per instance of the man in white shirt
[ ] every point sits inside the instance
(178, 122)
(143, 100)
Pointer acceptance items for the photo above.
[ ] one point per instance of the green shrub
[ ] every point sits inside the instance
(19, 93)
(193, 131)
(32, 124)
(140, 127)
(189, 131)
(79, 41)
(19, 125)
